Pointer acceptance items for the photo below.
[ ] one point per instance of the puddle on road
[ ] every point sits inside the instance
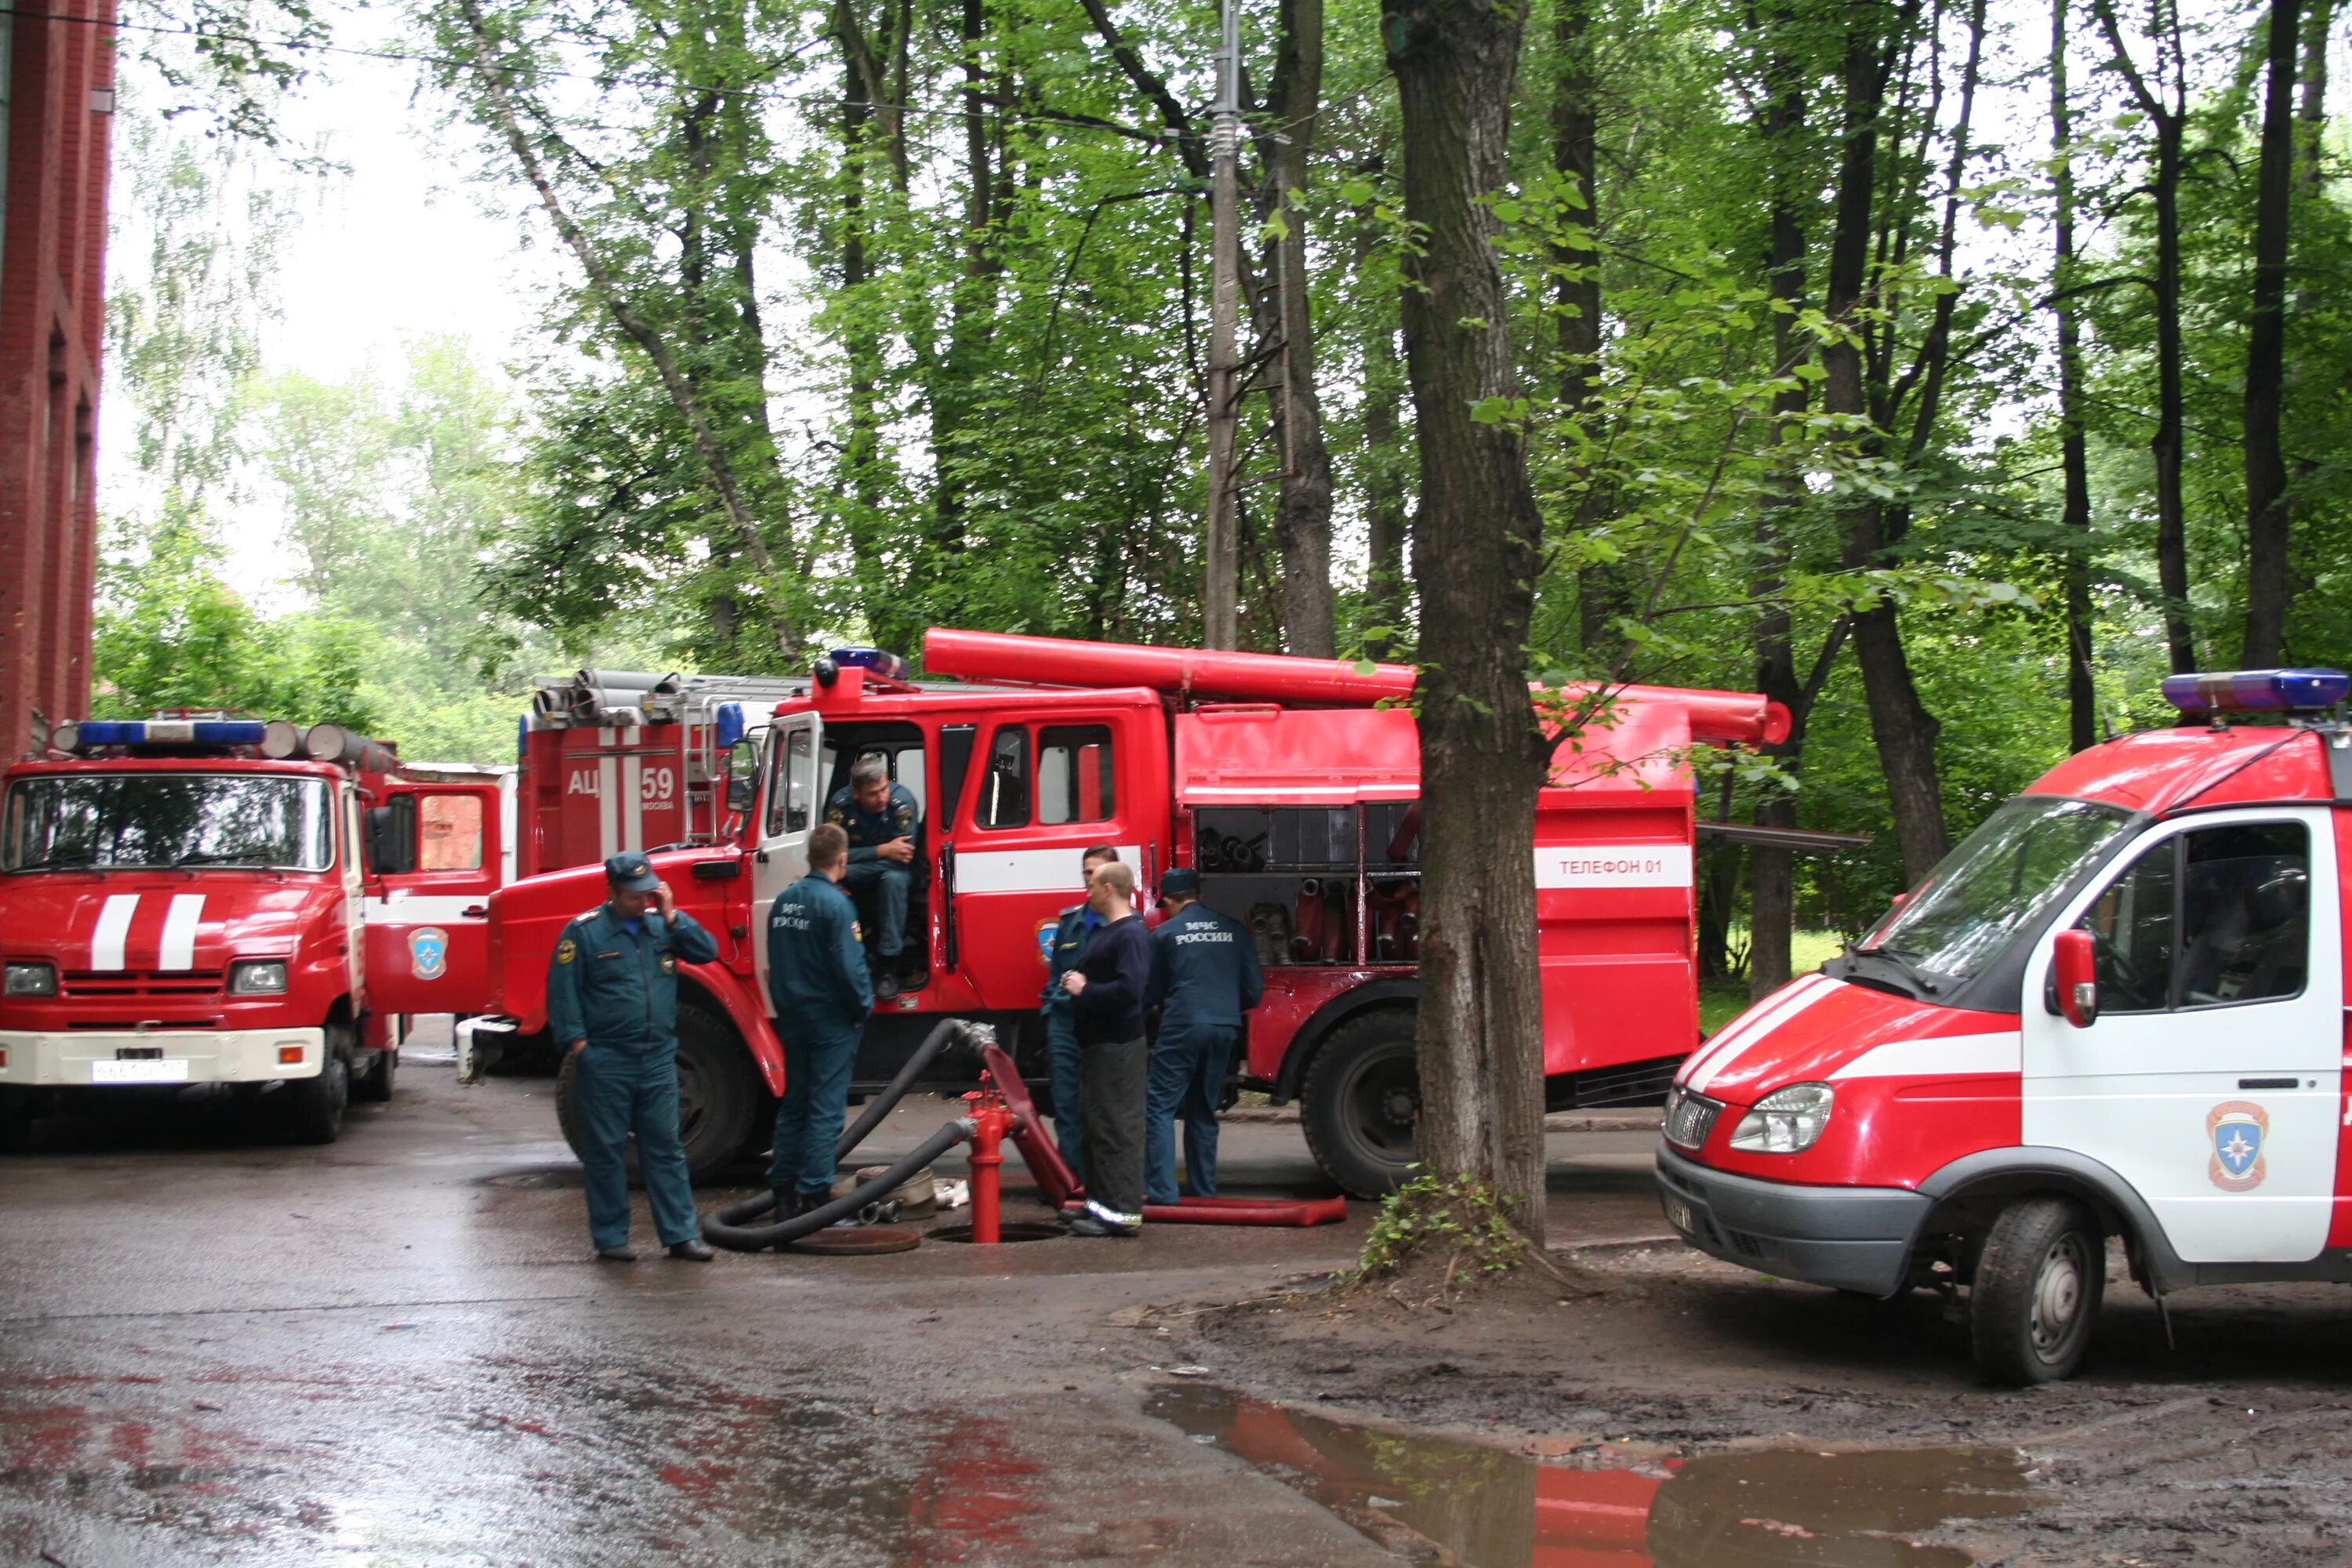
(1769, 1509)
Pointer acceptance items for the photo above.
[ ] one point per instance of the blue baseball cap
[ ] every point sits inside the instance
(1181, 882)
(631, 872)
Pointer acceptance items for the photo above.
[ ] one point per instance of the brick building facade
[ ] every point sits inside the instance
(59, 77)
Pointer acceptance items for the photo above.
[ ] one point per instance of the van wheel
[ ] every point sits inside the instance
(314, 1106)
(2039, 1280)
(718, 1094)
(1361, 1103)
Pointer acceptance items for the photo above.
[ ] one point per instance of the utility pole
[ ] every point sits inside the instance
(1219, 602)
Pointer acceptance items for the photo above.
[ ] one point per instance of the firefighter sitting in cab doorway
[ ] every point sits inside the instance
(1072, 934)
(1107, 991)
(882, 821)
(1205, 978)
(816, 975)
(611, 998)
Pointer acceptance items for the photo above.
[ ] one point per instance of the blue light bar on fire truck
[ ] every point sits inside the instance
(2257, 691)
(888, 666)
(273, 738)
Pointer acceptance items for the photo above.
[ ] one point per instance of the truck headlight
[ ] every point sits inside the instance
(257, 977)
(32, 980)
(1787, 1121)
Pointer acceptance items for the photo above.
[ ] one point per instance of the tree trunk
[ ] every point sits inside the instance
(1385, 515)
(1772, 871)
(1476, 543)
(2268, 518)
(1302, 517)
(2073, 459)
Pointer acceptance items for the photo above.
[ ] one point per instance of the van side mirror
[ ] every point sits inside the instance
(2076, 972)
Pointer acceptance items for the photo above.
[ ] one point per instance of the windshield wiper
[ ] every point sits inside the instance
(53, 862)
(203, 858)
(1901, 960)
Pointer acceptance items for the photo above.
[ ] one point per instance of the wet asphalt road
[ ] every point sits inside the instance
(394, 1351)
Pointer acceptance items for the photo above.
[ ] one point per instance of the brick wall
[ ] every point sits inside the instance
(52, 256)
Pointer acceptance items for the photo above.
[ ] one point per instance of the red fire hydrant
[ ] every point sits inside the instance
(991, 1119)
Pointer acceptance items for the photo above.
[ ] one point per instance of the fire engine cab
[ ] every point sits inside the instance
(2115, 1010)
(208, 903)
(1289, 783)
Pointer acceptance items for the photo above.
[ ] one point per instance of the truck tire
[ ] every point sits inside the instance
(313, 1111)
(2036, 1298)
(376, 1087)
(718, 1094)
(1361, 1103)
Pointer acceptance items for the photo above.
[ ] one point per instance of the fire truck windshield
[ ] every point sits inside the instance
(2000, 880)
(117, 821)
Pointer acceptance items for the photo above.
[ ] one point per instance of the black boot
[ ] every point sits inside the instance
(789, 1208)
(885, 980)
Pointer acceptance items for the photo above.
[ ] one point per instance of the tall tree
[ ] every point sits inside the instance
(1479, 1038)
(1302, 519)
(2268, 518)
(2074, 447)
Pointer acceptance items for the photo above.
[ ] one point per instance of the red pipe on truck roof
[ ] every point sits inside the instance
(1002, 656)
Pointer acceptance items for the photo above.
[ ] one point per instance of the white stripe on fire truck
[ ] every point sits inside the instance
(633, 800)
(425, 909)
(1953, 1056)
(608, 800)
(179, 931)
(1033, 871)
(106, 943)
(1795, 1000)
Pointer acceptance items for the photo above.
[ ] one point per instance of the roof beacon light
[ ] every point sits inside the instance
(2257, 691)
(727, 725)
(888, 666)
(91, 732)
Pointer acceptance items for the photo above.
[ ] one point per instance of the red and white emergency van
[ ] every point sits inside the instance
(1289, 784)
(2115, 1010)
(208, 903)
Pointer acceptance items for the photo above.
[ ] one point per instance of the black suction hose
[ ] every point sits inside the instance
(882, 1104)
(725, 1226)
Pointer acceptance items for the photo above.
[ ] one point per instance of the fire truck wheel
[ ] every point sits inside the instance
(2036, 1293)
(376, 1087)
(1361, 1103)
(314, 1106)
(719, 1095)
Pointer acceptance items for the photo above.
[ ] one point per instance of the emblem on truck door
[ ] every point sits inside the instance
(2238, 1129)
(428, 952)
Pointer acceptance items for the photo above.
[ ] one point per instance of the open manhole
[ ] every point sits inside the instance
(1011, 1230)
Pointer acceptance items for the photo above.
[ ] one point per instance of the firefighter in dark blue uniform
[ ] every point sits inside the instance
(1064, 948)
(1205, 978)
(817, 976)
(882, 822)
(612, 1001)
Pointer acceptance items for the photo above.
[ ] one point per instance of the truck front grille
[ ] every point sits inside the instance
(90, 985)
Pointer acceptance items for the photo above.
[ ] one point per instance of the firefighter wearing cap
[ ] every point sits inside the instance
(1204, 979)
(612, 1000)
(882, 822)
(816, 977)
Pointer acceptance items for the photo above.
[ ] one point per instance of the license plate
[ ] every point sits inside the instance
(1678, 1215)
(173, 1070)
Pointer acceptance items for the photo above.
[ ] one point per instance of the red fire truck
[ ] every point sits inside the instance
(1287, 783)
(211, 904)
(2117, 1009)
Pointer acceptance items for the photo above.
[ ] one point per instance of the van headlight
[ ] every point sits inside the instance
(32, 980)
(1787, 1121)
(257, 977)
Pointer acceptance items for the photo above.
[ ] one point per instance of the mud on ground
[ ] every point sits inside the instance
(2234, 1448)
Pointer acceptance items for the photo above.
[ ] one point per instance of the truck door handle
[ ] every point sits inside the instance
(2270, 1083)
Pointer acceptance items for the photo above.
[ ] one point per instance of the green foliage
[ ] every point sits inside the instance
(1454, 1218)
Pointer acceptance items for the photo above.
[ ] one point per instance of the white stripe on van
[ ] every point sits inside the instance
(1795, 1004)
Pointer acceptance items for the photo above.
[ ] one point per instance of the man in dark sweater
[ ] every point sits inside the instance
(1107, 993)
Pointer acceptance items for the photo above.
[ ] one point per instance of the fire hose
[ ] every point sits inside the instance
(727, 1225)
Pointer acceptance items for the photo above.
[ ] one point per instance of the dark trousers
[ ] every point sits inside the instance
(817, 1063)
(1111, 1101)
(1188, 1077)
(1062, 1068)
(880, 887)
(620, 1090)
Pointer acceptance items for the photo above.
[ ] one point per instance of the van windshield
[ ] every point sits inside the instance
(2000, 880)
(77, 821)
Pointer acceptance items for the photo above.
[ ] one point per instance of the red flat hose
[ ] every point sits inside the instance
(1280, 678)
(1060, 1190)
